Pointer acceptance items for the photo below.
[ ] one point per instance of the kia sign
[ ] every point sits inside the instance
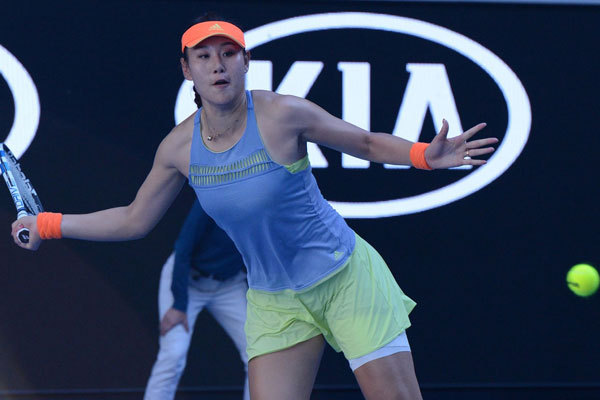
(27, 104)
(428, 90)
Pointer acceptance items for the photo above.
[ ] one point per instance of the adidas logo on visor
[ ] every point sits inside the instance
(215, 27)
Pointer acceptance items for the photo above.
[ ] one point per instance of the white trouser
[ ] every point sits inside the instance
(225, 300)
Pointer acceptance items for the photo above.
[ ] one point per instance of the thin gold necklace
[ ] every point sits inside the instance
(212, 135)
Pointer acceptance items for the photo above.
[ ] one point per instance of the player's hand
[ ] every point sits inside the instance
(457, 151)
(30, 223)
(171, 319)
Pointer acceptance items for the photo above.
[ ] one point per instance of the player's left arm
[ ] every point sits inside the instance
(314, 124)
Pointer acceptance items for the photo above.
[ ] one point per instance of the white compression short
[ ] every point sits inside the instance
(397, 345)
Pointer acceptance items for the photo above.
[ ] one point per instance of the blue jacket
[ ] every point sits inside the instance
(205, 247)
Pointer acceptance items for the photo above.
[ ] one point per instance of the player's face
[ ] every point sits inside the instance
(217, 66)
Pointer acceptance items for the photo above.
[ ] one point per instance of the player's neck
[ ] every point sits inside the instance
(220, 122)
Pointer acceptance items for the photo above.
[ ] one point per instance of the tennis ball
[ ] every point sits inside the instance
(583, 280)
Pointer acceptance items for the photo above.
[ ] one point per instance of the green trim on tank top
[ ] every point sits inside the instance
(298, 166)
(208, 175)
(258, 162)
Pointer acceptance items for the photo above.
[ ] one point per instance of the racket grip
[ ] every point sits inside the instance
(23, 235)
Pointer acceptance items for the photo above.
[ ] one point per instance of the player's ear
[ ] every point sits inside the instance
(246, 60)
(185, 68)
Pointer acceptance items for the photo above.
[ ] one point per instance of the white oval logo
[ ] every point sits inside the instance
(518, 107)
(27, 103)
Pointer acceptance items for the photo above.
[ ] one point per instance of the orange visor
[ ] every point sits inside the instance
(197, 33)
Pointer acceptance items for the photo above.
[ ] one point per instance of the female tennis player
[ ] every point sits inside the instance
(311, 278)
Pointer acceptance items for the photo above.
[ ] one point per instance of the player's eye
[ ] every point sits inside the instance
(229, 52)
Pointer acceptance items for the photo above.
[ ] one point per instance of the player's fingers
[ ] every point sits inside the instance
(470, 132)
(473, 144)
(15, 229)
(18, 242)
(19, 221)
(443, 133)
(479, 152)
(16, 226)
(474, 161)
(185, 325)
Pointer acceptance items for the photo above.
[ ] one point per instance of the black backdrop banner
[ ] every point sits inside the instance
(483, 251)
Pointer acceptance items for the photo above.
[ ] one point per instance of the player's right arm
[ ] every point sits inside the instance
(134, 221)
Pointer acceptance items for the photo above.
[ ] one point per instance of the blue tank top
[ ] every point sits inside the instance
(288, 234)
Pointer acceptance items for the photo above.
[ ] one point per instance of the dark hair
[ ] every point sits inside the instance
(207, 16)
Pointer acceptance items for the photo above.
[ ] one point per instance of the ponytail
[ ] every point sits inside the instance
(197, 98)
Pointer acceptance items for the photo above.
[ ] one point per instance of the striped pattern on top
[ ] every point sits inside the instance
(254, 164)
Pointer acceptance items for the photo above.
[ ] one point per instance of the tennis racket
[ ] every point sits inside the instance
(24, 196)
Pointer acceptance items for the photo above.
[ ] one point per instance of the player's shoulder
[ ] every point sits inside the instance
(275, 105)
(180, 137)
(185, 127)
(182, 132)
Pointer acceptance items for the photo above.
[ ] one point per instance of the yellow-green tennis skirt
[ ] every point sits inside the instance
(358, 309)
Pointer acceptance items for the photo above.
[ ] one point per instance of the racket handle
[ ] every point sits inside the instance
(23, 235)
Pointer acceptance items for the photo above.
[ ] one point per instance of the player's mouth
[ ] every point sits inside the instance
(221, 83)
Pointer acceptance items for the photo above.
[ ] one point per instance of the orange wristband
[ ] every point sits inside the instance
(417, 155)
(48, 225)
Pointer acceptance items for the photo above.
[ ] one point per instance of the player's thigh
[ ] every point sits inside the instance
(286, 374)
(390, 377)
